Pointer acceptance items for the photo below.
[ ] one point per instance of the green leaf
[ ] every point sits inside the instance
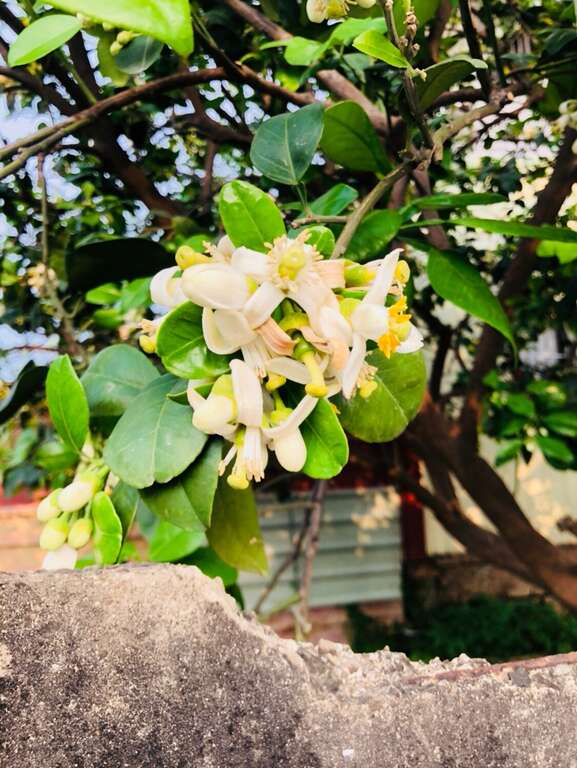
(347, 30)
(521, 404)
(461, 200)
(181, 347)
(55, 456)
(440, 77)
(378, 46)
(550, 394)
(250, 216)
(565, 252)
(29, 382)
(170, 543)
(108, 535)
(107, 62)
(425, 10)
(154, 441)
(212, 566)
(401, 383)
(334, 202)
(459, 282)
(139, 54)
(105, 294)
(518, 229)
(284, 146)
(127, 501)
(42, 37)
(327, 444)
(166, 20)
(562, 422)
(350, 140)
(187, 501)
(118, 259)
(373, 234)
(302, 52)
(67, 403)
(114, 378)
(320, 237)
(509, 451)
(234, 533)
(555, 451)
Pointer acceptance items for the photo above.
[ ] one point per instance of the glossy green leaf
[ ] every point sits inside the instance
(43, 36)
(284, 146)
(181, 347)
(441, 76)
(28, 384)
(550, 394)
(555, 450)
(425, 10)
(250, 216)
(401, 383)
(212, 566)
(114, 378)
(320, 237)
(166, 20)
(378, 46)
(374, 233)
(327, 444)
(302, 52)
(565, 252)
(335, 201)
(350, 140)
(55, 456)
(235, 533)
(154, 441)
(170, 543)
(108, 534)
(508, 452)
(462, 200)
(117, 259)
(187, 501)
(562, 422)
(105, 294)
(139, 54)
(127, 502)
(347, 30)
(67, 403)
(519, 229)
(521, 404)
(459, 282)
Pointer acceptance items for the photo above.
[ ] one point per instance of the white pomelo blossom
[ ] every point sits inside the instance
(321, 10)
(165, 288)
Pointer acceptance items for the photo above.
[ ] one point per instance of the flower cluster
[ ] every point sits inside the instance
(67, 520)
(322, 10)
(288, 317)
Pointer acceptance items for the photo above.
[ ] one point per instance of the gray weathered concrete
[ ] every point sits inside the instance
(154, 667)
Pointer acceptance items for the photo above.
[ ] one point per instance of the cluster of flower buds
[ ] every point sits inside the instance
(322, 10)
(67, 521)
(295, 323)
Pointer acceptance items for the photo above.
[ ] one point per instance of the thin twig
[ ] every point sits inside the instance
(314, 219)
(474, 45)
(314, 522)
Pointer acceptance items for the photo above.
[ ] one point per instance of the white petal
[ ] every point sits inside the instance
(412, 343)
(247, 394)
(332, 272)
(166, 290)
(311, 294)
(64, 557)
(256, 355)
(352, 369)
(252, 263)
(195, 400)
(225, 247)
(213, 416)
(214, 339)
(233, 327)
(290, 369)
(370, 320)
(299, 414)
(262, 304)
(217, 286)
(334, 326)
(384, 278)
(316, 10)
(291, 451)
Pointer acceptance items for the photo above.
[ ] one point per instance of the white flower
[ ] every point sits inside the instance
(321, 10)
(64, 557)
(165, 288)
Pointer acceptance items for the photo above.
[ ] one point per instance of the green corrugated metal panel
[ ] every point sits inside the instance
(359, 557)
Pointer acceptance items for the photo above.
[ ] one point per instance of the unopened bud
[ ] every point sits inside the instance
(214, 414)
(79, 493)
(402, 272)
(54, 534)
(48, 507)
(124, 37)
(115, 48)
(291, 451)
(147, 344)
(80, 533)
(188, 257)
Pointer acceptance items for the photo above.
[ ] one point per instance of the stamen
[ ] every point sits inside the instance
(316, 386)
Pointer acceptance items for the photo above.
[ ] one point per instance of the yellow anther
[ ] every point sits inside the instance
(388, 343)
(274, 382)
(188, 257)
(147, 344)
(238, 480)
(291, 262)
(402, 272)
(316, 386)
(367, 388)
(334, 409)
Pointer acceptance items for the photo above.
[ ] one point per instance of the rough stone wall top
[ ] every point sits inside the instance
(154, 667)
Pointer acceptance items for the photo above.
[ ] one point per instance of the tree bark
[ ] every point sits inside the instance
(154, 666)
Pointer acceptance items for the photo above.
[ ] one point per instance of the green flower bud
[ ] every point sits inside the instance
(48, 507)
(80, 533)
(54, 534)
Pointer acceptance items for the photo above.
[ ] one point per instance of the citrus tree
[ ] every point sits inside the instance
(235, 227)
